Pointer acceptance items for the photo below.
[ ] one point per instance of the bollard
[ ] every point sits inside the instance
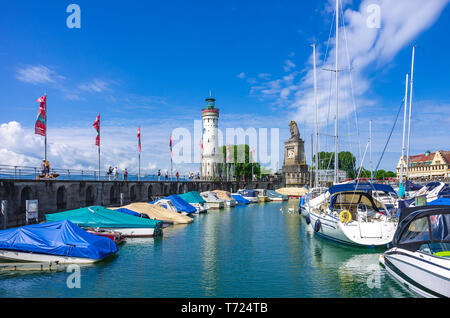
(4, 211)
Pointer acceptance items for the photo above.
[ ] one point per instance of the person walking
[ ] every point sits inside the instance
(159, 175)
(167, 175)
(109, 173)
(177, 175)
(116, 173)
(47, 169)
(125, 174)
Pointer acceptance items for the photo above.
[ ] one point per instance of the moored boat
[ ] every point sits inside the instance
(420, 253)
(213, 200)
(196, 200)
(110, 220)
(348, 214)
(59, 242)
(226, 196)
(250, 195)
(240, 200)
(275, 196)
(175, 201)
(262, 195)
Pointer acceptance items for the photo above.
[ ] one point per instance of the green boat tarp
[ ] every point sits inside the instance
(98, 216)
(192, 197)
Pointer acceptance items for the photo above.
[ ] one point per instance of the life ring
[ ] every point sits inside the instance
(317, 225)
(345, 216)
(307, 219)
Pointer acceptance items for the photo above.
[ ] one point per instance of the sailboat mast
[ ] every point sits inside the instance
(410, 109)
(316, 177)
(336, 159)
(404, 129)
(370, 149)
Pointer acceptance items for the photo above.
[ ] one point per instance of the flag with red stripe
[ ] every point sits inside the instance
(139, 138)
(40, 128)
(170, 145)
(97, 127)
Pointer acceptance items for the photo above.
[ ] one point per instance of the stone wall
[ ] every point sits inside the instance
(56, 196)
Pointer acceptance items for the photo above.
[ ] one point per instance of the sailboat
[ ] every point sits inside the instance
(348, 213)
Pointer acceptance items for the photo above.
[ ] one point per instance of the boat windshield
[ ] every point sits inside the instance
(417, 236)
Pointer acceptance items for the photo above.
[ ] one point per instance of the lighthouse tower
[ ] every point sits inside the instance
(210, 156)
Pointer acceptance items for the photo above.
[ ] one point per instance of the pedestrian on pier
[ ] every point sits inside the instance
(116, 173)
(167, 175)
(46, 168)
(159, 175)
(125, 174)
(109, 173)
(177, 175)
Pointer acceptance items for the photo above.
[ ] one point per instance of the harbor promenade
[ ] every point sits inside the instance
(61, 195)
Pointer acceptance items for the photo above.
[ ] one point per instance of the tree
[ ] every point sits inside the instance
(240, 156)
(346, 162)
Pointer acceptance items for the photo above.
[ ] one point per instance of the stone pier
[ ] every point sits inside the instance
(57, 196)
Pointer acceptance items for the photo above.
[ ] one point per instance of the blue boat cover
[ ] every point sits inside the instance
(128, 211)
(365, 187)
(180, 204)
(409, 186)
(57, 238)
(98, 216)
(247, 193)
(240, 199)
(440, 201)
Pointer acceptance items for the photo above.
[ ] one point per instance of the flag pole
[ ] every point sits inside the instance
(46, 125)
(99, 156)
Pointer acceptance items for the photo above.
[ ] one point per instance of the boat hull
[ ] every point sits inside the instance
(216, 205)
(367, 234)
(252, 199)
(44, 258)
(426, 275)
(136, 232)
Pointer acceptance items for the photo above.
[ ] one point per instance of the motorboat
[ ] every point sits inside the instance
(196, 200)
(213, 200)
(116, 237)
(349, 214)
(433, 190)
(177, 203)
(240, 200)
(250, 195)
(262, 195)
(166, 204)
(110, 220)
(275, 196)
(419, 257)
(60, 242)
(226, 196)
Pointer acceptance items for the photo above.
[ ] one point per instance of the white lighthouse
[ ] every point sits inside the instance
(210, 140)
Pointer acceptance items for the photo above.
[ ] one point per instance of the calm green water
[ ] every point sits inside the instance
(261, 250)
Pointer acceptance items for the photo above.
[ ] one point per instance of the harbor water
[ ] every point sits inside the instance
(258, 251)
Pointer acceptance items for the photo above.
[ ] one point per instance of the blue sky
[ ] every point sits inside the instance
(152, 63)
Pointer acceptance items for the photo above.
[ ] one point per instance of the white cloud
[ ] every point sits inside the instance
(95, 86)
(241, 75)
(368, 49)
(38, 74)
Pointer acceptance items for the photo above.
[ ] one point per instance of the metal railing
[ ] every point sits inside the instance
(33, 173)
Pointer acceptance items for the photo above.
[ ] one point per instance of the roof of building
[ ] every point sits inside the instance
(429, 156)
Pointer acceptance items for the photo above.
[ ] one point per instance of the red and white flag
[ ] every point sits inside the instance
(40, 128)
(170, 145)
(139, 138)
(97, 127)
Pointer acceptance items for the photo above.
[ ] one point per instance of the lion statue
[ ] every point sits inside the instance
(295, 134)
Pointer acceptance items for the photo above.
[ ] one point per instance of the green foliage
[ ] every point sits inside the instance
(240, 156)
(347, 162)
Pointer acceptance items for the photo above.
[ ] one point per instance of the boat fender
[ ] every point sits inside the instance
(317, 226)
(345, 216)
(307, 219)
(299, 210)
